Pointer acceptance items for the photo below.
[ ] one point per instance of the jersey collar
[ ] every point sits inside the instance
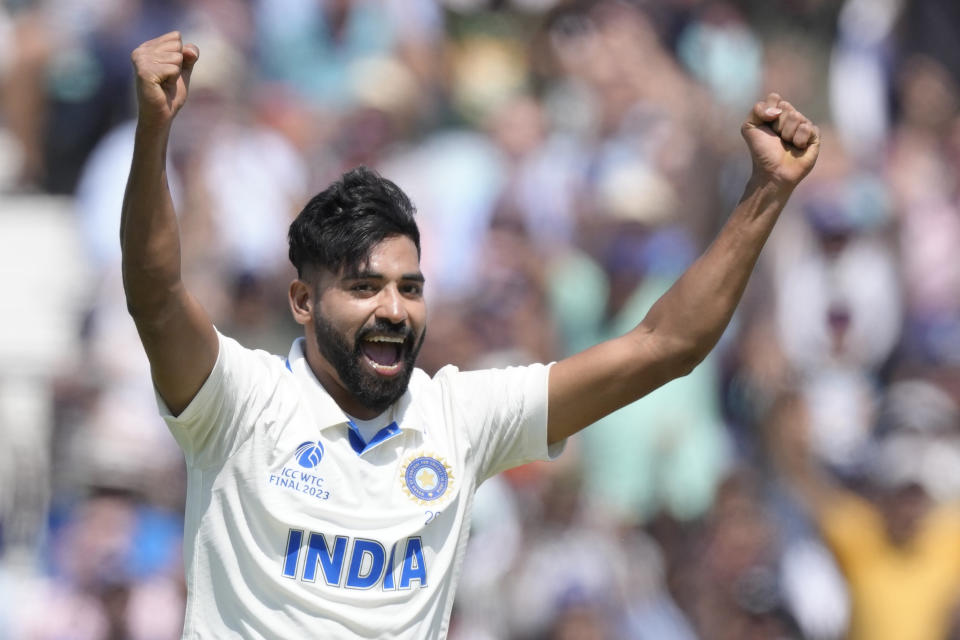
(330, 414)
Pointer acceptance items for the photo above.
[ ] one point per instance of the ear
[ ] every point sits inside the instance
(301, 301)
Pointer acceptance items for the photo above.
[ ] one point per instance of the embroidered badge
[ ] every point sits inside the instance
(426, 479)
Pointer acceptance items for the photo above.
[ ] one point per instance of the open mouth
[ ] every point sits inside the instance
(383, 353)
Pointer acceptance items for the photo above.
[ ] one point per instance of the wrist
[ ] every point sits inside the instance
(152, 134)
(149, 125)
(765, 197)
(768, 186)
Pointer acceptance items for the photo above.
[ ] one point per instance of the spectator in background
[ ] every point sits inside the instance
(839, 303)
(26, 47)
(922, 162)
(510, 122)
(896, 543)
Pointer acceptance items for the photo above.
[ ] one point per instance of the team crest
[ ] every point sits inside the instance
(426, 479)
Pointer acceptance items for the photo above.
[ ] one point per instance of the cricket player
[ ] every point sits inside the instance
(329, 491)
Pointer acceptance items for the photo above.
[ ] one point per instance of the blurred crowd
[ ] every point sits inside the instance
(568, 159)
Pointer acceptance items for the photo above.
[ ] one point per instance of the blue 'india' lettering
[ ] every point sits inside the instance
(331, 562)
(294, 538)
(368, 566)
(414, 567)
(360, 577)
(388, 578)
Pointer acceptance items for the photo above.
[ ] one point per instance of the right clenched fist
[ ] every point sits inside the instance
(163, 67)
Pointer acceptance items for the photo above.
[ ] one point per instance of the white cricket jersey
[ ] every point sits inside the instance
(297, 528)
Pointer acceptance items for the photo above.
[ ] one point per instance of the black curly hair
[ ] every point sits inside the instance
(340, 225)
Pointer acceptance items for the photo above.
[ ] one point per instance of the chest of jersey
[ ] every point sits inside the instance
(338, 514)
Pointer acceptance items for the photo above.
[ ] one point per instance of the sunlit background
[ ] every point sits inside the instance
(568, 161)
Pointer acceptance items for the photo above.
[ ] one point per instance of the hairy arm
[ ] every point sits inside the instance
(686, 322)
(177, 335)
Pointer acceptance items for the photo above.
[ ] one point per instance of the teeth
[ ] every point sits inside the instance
(384, 339)
(383, 367)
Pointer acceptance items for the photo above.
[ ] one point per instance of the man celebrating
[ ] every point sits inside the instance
(329, 492)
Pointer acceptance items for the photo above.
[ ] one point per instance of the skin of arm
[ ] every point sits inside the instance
(176, 332)
(686, 322)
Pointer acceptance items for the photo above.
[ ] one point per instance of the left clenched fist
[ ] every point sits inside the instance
(783, 142)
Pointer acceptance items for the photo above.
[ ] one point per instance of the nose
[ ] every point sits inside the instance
(391, 306)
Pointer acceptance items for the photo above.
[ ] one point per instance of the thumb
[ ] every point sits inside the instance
(764, 112)
(190, 56)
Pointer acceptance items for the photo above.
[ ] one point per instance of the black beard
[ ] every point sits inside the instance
(372, 391)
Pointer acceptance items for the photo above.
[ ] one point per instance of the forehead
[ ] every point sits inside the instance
(394, 254)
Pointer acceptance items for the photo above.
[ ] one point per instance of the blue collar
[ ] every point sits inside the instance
(361, 447)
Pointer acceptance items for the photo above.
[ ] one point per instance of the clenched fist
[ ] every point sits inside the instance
(783, 142)
(163, 67)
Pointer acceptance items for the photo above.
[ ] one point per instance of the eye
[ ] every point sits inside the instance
(413, 289)
(363, 288)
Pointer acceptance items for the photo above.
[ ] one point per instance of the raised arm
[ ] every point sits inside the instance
(177, 335)
(685, 324)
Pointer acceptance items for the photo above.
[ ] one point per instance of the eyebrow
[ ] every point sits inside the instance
(373, 275)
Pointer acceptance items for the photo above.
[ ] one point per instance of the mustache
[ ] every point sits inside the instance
(384, 327)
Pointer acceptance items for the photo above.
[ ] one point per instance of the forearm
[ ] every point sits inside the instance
(149, 234)
(176, 332)
(690, 318)
(687, 321)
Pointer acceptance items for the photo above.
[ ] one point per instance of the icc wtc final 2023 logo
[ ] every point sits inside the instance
(426, 479)
(309, 454)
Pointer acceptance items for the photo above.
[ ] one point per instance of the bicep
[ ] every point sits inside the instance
(182, 347)
(596, 382)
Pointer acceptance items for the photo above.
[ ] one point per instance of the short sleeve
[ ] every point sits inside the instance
(224, 411)
(503, 413)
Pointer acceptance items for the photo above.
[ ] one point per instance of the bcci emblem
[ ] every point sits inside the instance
(308, 454)
(426, 479)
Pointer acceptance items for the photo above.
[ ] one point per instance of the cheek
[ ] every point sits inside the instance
(344, 314)
(418, 319)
